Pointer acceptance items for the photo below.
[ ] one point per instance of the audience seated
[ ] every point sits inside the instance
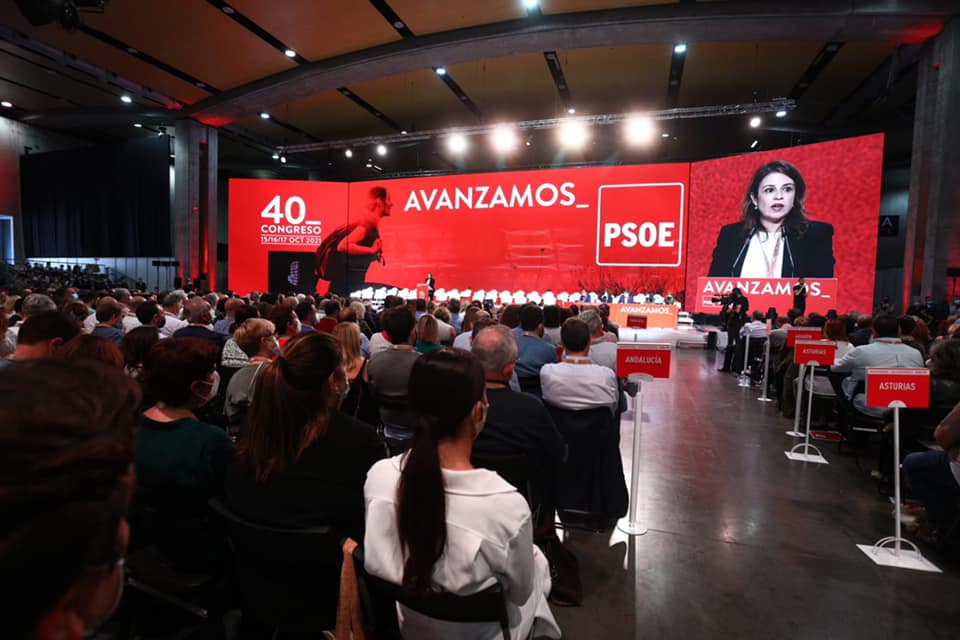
(41, 335)
(427, 334)
(33, 304)
(200, 318)
(109, 318)
(299, 461)
(359, 401)
(181, 461)
(233, 357)
(136, 349)
(389, 373)
(863, 333)
(472, 315)
(886, 350)
(435, 522)
(602, 351)
(257, 338)
(149, 314)
(172, 308)
(64, 536)
(91, 348)
(230, 308)
(307, 313)
(577, 382)
(934, 478)
(331, 310)
(533, 350)
(517, 423)
(551, 324)
(284, 317)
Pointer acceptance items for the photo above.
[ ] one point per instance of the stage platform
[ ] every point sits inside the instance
(694, 337)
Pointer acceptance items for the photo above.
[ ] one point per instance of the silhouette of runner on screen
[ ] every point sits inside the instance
(345, 255)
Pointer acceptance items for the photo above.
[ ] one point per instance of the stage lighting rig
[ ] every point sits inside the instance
(65, 13)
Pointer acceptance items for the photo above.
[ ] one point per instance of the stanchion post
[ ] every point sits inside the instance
(766, 367)
(797, 400)
(897, 389)
(743, 380)
(811, 353)
(633, 526)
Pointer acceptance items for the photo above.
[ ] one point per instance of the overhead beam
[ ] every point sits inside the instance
(735, 21)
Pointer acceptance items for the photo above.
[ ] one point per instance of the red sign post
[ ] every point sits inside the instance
(903, 388)
(898, 389)
(636, 321)
(651, 358)
(802, 333)
(819, 352)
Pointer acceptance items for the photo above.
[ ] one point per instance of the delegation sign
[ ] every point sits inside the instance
(906, 388)
(652, 358)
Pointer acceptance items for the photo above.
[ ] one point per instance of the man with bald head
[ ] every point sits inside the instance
(463, 340)
(198, 313)
(517, 423)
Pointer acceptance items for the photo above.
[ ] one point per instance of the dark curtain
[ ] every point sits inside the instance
(97, 201)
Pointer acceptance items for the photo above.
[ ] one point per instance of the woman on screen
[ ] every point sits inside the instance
(774, 238)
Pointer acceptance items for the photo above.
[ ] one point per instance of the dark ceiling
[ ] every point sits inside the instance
(366, 68)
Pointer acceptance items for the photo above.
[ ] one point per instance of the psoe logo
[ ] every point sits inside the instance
(640, 225)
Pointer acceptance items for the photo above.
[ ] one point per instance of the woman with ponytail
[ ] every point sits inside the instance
(300, 462)
(434, 523)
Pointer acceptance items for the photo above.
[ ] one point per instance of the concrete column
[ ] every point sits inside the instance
(933, 221)
(195, 201)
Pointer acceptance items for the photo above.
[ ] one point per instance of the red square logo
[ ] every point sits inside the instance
(640, 225)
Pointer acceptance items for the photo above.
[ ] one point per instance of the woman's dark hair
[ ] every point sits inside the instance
(65, 482)
(511, 316)
(281, 316)
(291, 404)
(89, 348)
(445, 385)
(243, 314)
(945, 360)
(398, 323)
(137, 344)
(174, 364)
(796, 220)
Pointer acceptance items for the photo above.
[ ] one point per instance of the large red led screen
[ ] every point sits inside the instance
(595, 229)
(748, 228)
(674, 228)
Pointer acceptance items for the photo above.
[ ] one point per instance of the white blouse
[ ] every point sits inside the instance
(489, 540)
(754, 264)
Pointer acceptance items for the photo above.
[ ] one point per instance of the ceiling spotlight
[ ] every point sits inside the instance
(440, 71)
(680, 48)
(573, 134)
(457, 143)
(504, 138)
(126, 99)
(369, 165)
(381, 150)
(283, 159)
(782, 113)
(640, 130)
(227, 9)
(530, 4)
(529, 143)
(753, 145)
(6, 104)
(348, 153)
(138, 125)
(404, 132)
(755, 122)
(290, 53)
(264, 115)
(276, 156)
(664, 135)
(571, 111)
